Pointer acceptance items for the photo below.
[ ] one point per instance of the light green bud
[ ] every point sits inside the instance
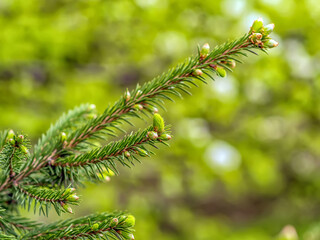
(10, 134)
(158, 123)
(130, 221)
(268, 29)
(142, 152)
(255, 38)
(138, 107)
(108, 172)
(257, 25)
(68, 190)
(165, 137)
(221, 71)
(63, 136)
(95, 227)
(127, 154)
(271, 43)
(205, 50)
(114, 222)
(66, 207)
(231, 63)
(197, 72)
(12, 141)
(20, 139)
(152, 135)
(73, 198)
(139, 92)
(127, 95)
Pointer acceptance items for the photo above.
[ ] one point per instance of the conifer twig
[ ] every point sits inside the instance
(68, 155)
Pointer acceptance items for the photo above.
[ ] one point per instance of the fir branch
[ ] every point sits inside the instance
(9, 223)
(51, 143)
(114, 150)
(64, 154)
(150, 96)
(101, 161)
(146, 98)
(45, 197)
(104, 225)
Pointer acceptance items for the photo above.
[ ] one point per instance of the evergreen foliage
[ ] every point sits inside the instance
(75, 149)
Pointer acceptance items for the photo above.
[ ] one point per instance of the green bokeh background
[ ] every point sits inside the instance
(244, 160)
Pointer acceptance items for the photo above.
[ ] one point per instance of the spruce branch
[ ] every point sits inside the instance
(116, 225)
(113, 151)
(10, 223)
(67, 155)
(45, 197)
(151, 95)
(104, 160)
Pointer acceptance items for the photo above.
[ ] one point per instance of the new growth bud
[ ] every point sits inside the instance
(68, 190)
(152, 135)
(127, 154)
(138, 107)
(257, 25)
(205, 50)
(158, 123)
(95, 227)
(114, 222)
(66, 207)
(165, 137)
(221, 71)
(259, 35)
(255, 38)
(130, 221)
(230, 63)
(150, 108)
(139, 92)
(127, 95)
(10, 134)
(107, 173)
(155, 110)
(268, 29)
(142, 152)
(63, 136)
(20, 139)
(271, 43)
(197, 72)
(12, 141)
(73, 198)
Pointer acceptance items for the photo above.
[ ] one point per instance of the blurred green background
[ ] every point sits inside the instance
(244, 160)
